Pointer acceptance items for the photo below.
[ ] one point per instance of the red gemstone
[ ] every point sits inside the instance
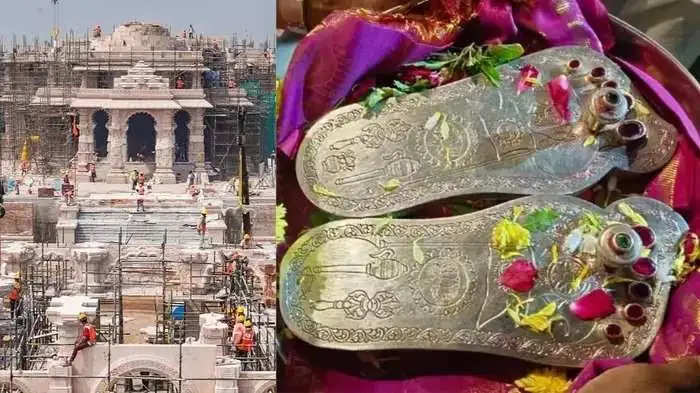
(646, 234)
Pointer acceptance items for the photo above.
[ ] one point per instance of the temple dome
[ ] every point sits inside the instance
(138, 36)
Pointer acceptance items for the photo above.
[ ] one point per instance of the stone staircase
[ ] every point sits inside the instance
(102, 224)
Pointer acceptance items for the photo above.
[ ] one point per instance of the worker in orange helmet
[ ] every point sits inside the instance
(14, 297)
(86, 338)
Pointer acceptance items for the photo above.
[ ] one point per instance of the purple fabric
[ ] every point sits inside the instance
(659, 96)
(593, 369)
(340, 383)
(332, 59)
(328, 63)
(680, 334)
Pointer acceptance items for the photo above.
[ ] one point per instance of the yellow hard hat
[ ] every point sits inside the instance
(240, 318)
(204, 211)
(82, 316)
(240, 310)
(246, 236)
(248, 323)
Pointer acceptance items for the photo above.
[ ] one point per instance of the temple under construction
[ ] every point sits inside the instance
(139, 98)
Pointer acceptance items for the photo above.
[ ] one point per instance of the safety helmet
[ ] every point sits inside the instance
(246, 236)
(204, 211)
(82, 317)
(248, 323)
(240, 318)
(240, 310)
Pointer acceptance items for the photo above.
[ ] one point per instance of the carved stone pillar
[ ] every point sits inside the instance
(86, 148)
(63, 313)
(165, 148)
(213, 332)
(196, 148)
(196, 80)
(117, 149)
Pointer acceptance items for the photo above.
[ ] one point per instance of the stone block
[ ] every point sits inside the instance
(18, 220)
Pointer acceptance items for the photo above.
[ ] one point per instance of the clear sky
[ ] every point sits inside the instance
(34, 18)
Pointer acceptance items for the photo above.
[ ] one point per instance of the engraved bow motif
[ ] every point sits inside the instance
(358, 304)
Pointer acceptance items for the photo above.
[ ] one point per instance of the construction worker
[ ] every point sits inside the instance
(190, 179)
(246, 242)
(139, 202)
(245, 346)
(133, 178)
(238, 330)
(231, 263)
(202, 226)
(86, 338)
(14, 297)
(142, 179)
(93, 172)
(97, 32)
(179, 83)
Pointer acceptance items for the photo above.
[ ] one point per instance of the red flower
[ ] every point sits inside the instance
(559, 92)
(593, 305)
(361, 89)
(410, 75)
(528, 78)
(520, 275)
(691, 246)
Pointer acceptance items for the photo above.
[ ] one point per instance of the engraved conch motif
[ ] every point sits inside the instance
(488, 139)
(437, 284)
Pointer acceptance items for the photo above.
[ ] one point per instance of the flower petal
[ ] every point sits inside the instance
(559, 90)
(528, 78)
(593, 305)
(519, 276)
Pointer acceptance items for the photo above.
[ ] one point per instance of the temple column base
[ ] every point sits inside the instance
(165, 176)
(117, 176)
(201, 174)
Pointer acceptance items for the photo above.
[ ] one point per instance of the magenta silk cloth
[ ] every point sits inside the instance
(331, 60)
(595, 368)
(341, 383)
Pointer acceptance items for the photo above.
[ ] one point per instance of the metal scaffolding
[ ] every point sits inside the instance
(37, 82)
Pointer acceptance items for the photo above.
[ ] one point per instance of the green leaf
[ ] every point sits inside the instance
(383, 224)
(433, 64)
(627, 210)
(589, 141)
(540, 219)
(505, 53)
(444, 130)
(418, 254)
(321, 190)
(490, 72)
(374, 98)
(402, 86)
(391, 185)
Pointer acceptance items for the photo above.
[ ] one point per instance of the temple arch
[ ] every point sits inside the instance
(100, 120)
(182, 135)
(136, 366)
(141, 138)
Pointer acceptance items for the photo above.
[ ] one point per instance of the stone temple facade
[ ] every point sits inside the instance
(139, 98)
(141, 93)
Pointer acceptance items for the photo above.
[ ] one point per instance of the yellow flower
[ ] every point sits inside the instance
(544, 381)
(509, 238)
(580, 277)
(538, 322)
